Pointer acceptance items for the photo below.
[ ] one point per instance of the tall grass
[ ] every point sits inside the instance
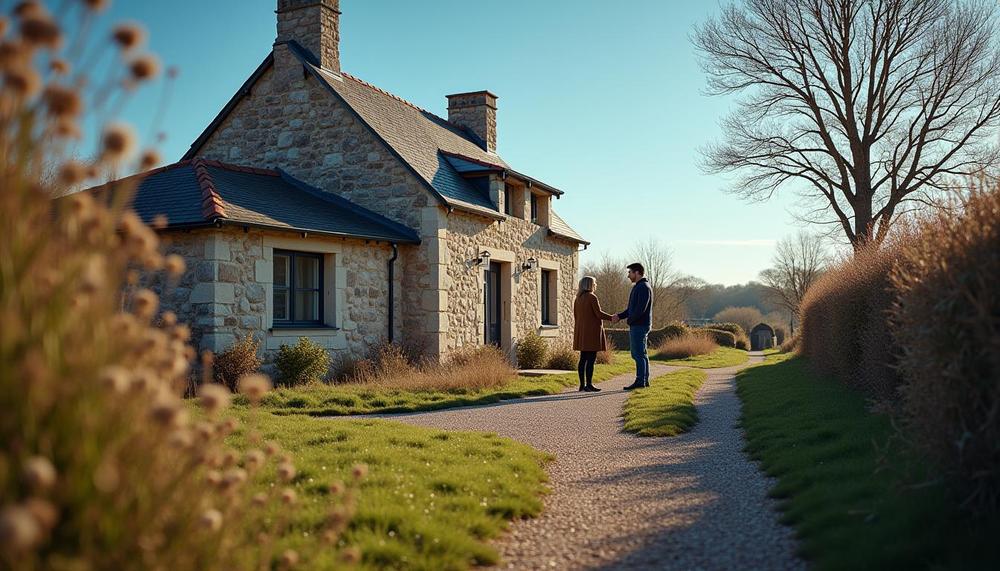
(388, 367)
(104, 466)
(687, 346)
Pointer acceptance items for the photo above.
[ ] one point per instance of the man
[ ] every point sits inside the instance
(638, 315)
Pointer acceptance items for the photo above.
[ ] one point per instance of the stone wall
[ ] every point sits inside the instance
(294, 123)
(516, 240)
(225, 292)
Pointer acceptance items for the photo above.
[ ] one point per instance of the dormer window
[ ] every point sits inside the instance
(534, 208)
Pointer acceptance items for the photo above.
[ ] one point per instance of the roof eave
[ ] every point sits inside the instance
(220, 222)
(576, 239)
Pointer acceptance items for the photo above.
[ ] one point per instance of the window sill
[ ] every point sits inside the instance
(548, 330)
(292, 329)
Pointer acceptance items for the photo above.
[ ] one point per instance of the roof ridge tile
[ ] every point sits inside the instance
(212, 206)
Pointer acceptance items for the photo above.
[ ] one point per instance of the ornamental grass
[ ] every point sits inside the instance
(104, 466)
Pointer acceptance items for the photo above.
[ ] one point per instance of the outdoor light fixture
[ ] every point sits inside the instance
(484, 258)
(529, 265)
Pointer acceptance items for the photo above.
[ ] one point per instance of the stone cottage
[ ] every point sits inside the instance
(316, 204)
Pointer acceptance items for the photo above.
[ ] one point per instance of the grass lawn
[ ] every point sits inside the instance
(430, 500)
(666, 408)
(721, 357)
(817, 437)
(340, 400)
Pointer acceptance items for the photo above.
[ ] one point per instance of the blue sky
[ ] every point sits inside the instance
(603, 100)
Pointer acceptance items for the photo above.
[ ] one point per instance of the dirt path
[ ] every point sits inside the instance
(621, 502)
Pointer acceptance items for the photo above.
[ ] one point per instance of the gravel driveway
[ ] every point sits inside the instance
(621, 502)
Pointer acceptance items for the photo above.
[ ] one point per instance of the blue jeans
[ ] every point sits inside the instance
(637, 335)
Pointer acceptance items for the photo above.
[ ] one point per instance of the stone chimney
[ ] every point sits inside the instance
(315, 25)
(477, 112)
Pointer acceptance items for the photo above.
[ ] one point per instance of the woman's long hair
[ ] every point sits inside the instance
(587, 284)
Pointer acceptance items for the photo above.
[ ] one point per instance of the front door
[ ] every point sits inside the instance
(491, 303)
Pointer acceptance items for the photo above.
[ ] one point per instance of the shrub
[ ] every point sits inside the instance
(302, 363)
(791, 344)
(687, 346)
(235, 362)
(563, 357)
(718, 336)
(779, 334)
(731, 327)
(740, 341)
(531, 351)
(607, 357)
(620, 337)
(745, 317)
(947, 322)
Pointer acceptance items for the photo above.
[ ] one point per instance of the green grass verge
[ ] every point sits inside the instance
(431, 498)
(850, 510)
(666, 408)
(341, 400)
(721, 357)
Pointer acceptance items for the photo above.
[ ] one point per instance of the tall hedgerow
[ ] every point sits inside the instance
(103, 465)
(844, 320)
(946, 322)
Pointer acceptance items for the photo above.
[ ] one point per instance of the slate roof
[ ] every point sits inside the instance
(425, 143)
(201, 192)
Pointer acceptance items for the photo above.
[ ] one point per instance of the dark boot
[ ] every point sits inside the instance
(590, 388)
(583, 387)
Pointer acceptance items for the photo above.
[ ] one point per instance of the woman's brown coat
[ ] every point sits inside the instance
(588, 334)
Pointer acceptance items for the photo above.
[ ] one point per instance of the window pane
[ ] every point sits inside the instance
(306, 305)
(280, 304)
(306, 273)
(281, 270)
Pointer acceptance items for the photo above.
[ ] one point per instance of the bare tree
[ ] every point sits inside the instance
(612, 282)
(798, 263)
(871, 105)
(671, 289)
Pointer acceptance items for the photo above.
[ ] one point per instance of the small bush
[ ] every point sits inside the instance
(687, 346)
(733, 328)
(719, 337)
(238, 360)
(607, 357)
(746, 317)
(562, 357)
(946, 319)
(303, 363)
(740, 338)
(791, 344)
(531, 352)
(780, 334)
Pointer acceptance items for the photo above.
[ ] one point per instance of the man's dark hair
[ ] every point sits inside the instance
(637, 267)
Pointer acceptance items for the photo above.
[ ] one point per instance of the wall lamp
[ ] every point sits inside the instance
(529, 264)
(484, 258)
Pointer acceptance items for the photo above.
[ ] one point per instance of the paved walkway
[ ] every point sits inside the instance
(622, 502)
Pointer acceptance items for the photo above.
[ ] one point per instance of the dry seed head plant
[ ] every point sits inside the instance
(469, 368)
(104, 465)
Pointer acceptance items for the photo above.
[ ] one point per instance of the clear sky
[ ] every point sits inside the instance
(603, 100)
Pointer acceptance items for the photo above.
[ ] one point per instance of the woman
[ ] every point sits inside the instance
(588, 335)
